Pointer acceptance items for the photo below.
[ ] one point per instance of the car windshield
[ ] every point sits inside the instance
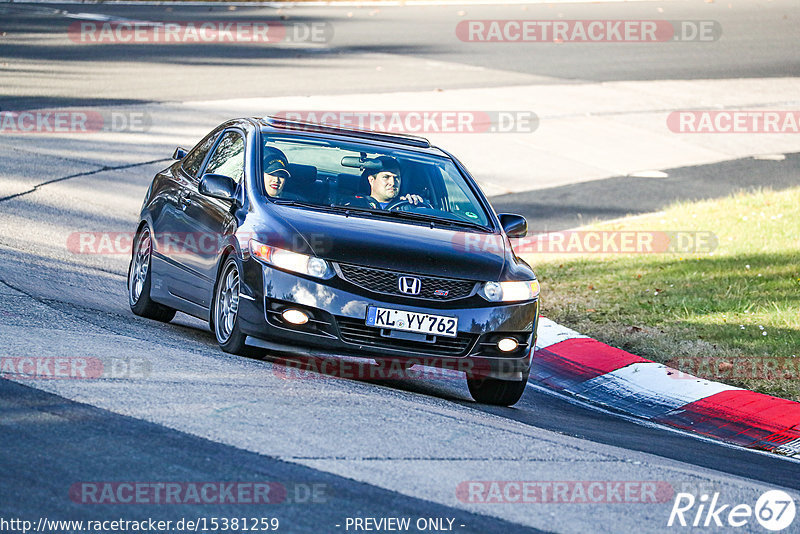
(332, 174)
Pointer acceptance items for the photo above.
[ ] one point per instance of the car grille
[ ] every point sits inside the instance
(355, 331)
(387, 282)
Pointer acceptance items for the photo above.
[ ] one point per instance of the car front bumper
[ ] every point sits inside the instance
(337, 327)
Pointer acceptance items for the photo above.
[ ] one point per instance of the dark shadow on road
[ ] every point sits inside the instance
(29, 102)
(574, 205)
(547, 412)
(80, 443)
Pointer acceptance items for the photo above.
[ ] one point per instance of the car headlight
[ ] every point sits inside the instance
(291, 261)
(510, 291)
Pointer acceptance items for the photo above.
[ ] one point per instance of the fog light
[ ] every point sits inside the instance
(507, 344)
(294, 316)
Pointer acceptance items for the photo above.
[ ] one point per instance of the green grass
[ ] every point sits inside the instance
(717, 314)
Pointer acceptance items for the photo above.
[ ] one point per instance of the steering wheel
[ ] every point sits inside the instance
(401, 203)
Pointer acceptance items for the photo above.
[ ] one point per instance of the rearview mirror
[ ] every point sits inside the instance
(179, 153)
(513, 225)
(218, 186)
(361, 163)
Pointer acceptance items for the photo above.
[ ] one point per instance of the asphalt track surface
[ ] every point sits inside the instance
(372, 49)
(178, 409)
(572, 205)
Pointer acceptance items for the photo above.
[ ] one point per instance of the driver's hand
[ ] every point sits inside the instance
(412, 199)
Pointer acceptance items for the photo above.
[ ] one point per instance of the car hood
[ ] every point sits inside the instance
(399, 246)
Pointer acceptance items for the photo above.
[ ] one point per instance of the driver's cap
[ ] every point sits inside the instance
(388, 164)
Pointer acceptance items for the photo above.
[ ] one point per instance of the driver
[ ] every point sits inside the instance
(384, 184)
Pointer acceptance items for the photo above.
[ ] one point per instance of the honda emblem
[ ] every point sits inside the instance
(410, 285)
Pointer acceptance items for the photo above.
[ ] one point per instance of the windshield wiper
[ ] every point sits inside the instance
(432, 219)
(306, 204)
(327, 207)
(290, 202)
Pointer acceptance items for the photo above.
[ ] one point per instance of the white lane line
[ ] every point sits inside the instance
(649, 174)
(109, 18)
(92, 16)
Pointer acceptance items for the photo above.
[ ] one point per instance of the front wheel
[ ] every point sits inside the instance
(226, 311)
(497, 392)
(139, 278)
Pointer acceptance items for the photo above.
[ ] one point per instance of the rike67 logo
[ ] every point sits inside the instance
(774, 510)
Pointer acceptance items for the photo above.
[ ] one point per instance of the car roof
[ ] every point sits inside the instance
(326, 131)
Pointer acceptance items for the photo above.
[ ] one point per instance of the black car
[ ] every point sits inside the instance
(325, 241)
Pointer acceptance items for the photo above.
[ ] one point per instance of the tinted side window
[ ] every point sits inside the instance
(191, 163)
(462, 202)
(228, 157)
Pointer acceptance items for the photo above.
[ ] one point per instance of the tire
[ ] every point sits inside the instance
(497, 392)
(224, 312)
(139, 277)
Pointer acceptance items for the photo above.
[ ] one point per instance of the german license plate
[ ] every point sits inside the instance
(423, 323)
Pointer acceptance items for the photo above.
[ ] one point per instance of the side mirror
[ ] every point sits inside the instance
(218, 186)
(514, 225)
(179, 153)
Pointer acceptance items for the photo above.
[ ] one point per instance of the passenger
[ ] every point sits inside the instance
(276, 171)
